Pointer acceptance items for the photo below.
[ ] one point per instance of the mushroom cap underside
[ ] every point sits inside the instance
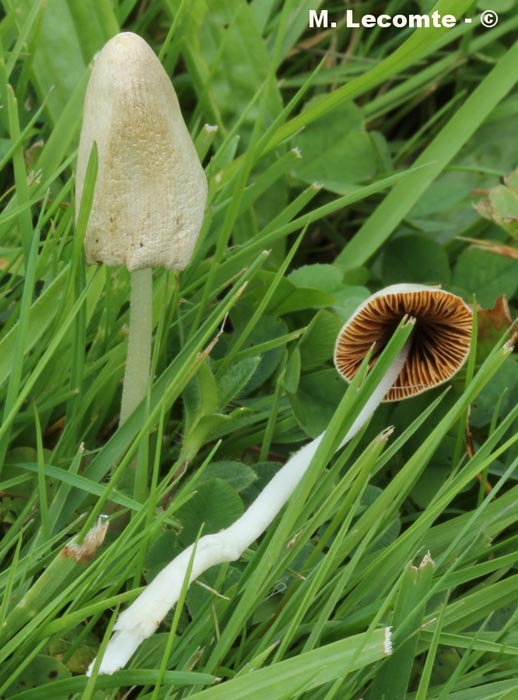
(439, 344)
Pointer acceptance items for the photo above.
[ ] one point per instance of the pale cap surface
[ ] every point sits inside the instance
(151, 189)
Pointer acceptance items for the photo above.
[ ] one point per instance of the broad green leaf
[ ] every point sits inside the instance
(414, 258)
(442, 195)
(240, 476)
(215, 505)
(336, 151)
(318, 395)
(501, 204)
(76, 658)
(347, 301)
(318, 342)
(268, 329)
(265, 471)
(288, 297)
(205, 428)
(217, 425)
(430, 482)
(485, 275)
(445, 209)
(234, 380)
(200, 397)
(327, 278)
(499, 394)
(40, 671)
(161, 550)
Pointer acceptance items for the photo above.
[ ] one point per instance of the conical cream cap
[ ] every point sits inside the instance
(151, 189)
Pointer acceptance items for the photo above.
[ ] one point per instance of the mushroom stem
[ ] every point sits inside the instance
(138, 362)
(144, 615)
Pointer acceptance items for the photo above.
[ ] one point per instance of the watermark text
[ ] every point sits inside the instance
(320, 19)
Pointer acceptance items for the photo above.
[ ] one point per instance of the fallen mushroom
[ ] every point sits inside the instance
(151, 189)
(436, 349)
(440, 341)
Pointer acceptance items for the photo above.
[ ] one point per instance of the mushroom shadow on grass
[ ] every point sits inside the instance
(436, 347)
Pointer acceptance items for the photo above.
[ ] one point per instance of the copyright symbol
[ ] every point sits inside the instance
(489, 19)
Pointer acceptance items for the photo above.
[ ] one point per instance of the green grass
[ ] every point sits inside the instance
(397, 134)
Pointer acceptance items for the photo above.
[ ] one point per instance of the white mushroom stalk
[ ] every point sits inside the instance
(143, 617)
(151, 190)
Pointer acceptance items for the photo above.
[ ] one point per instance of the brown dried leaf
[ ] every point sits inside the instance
(505, 251)
(493, 322)
(94, 538)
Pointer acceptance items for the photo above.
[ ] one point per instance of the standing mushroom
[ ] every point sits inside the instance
(150, 190)
(436, 349)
